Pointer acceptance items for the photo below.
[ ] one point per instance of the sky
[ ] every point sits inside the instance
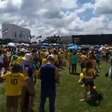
(59, 17)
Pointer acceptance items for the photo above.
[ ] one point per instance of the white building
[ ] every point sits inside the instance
(15, 33)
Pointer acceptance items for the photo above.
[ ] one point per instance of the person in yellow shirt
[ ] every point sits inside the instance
(87, 77)
(14, 82)
(17, 59)
(43, 56)
(83, 60)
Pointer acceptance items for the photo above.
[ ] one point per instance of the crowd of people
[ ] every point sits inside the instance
(21, 67)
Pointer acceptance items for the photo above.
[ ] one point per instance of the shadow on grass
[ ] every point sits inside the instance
(93, 104)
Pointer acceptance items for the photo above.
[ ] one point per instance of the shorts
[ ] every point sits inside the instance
(89, 82)
(83, 65)
(12, 101)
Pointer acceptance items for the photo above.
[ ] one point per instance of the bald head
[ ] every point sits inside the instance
(50, 58)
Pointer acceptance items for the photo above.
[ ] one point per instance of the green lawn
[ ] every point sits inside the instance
(69, 93)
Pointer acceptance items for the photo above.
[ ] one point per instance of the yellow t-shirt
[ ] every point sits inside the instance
(19, 60)
(42, 54)
(44, 61)
(14, 83)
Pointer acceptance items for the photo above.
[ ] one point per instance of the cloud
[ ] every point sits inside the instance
(103, 6)
(63, 17)
(96, 25)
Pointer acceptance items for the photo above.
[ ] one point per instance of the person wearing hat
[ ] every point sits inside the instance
(49, 76)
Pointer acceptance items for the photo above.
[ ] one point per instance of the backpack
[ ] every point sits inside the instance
(94, 97)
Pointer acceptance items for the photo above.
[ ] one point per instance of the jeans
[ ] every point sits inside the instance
(74, 68)
(51, 98)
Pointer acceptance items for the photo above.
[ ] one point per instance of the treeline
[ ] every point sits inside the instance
(53, 39)
(5, 41)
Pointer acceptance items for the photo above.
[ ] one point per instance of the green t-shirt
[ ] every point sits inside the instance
(74, 59)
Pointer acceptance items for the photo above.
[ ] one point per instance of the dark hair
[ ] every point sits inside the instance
(92, 56)
(55, 52)
(16, 68)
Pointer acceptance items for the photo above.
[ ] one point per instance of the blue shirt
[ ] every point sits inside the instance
(48, 82)
(29, 68)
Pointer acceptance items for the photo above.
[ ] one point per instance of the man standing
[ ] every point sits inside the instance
(49, 76)
(74, 61)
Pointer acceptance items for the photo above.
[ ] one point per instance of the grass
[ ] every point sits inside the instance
(69, 93)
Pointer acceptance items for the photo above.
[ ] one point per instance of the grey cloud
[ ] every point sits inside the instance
(53, 14)
(103, 6)
(104, 10)
(48, 17)
(10, 8)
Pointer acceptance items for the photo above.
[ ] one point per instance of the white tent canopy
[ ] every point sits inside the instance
(11, 44)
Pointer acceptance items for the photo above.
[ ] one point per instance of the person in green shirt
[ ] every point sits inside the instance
(74, 61)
